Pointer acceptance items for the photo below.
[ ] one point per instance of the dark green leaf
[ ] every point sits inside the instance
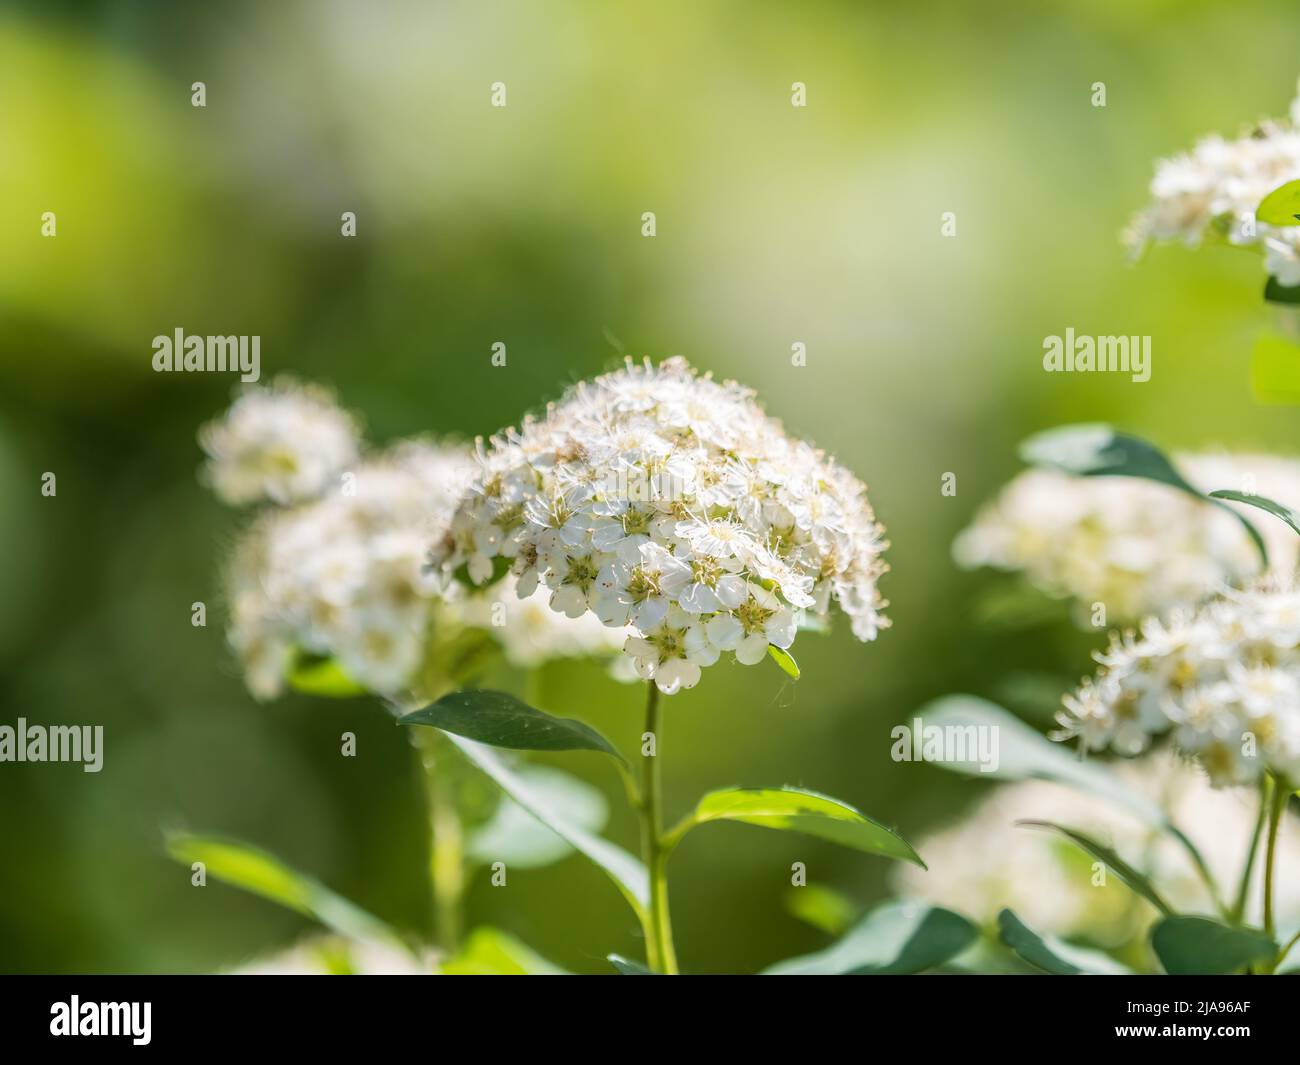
(1276, 292)
(1050, 954)
(1198, 946)
(1135, 880)
(798, 810)
(501, 720)
(897, 937)
(1278, 510)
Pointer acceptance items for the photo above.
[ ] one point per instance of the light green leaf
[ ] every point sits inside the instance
(1197, 946)
(785, 660)
(1024, 754)
(822, 907)
(1052, 955)
(1281, 207)
(1097, 450)
(904, 936)
(1135, 880)
(491, 952)
(501, 720)
(797, 810)
(628, 874)
(313, 675)
(245, 866)
(628, 967)
(517, 838)
(1270, 506)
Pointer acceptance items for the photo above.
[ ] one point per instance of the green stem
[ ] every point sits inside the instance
(1243, 887)
(1276, 808)
(446, 838)
(659, 946)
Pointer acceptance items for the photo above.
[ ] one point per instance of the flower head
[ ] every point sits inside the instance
(283, 443)
(1216, 187)
(1222, 680)
(660, 499)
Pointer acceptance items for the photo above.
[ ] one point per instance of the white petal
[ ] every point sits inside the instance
(724, 631)
(751, 649)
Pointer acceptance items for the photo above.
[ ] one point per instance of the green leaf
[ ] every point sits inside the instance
(501, 720)
(1278, 510)
(1275, 370)
(905, 936)
(628, 967)
(1024, 754)
(1135, 880)
(797, 810)
(1276, 292)
(491, 952)
(1097, 450)
(628, 874)
(1198, 946)
(245, 866)
(785, 660)
(316, 675)
(517, 838)
(1281, 207)
(822, 907)
(1051, 955)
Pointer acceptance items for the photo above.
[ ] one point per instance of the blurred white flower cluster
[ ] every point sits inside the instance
(1223, 679)
(986, 862)
(343, 574)
(1137, 546)
(661, 499)
(1218, 185)
(280, 444)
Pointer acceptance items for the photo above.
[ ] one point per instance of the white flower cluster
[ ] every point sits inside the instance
(344, 576)
(281, 444)
(1218, 185)
(661, 499)
(1223, 679)
(986, 862)
(1137, 546)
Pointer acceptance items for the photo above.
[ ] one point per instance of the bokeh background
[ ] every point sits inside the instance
(522, 225)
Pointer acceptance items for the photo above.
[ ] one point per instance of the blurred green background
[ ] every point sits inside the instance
(522, 225)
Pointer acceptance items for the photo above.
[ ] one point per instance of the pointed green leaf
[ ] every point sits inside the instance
(1051, 955)
(1135, 880)
(515, 837)
(798, 810)
(1198, 946)
(491, 952)
(628, 967)
(245, 866)
(1281, 207)
(1097, 450)
(501, 720)
(785, 660)
(1270, 506)
(628, 874)
(904, 936)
